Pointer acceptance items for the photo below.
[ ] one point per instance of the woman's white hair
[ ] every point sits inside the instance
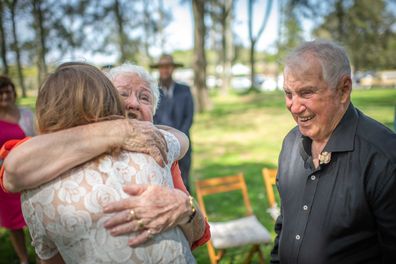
(332, 57)
(131, 69)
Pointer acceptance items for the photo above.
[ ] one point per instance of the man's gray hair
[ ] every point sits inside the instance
(130, 69)
(332, 57)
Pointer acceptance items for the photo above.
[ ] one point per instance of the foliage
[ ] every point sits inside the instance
(367, 29)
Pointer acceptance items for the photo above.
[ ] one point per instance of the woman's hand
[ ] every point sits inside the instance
(144, 137)
(149, 210)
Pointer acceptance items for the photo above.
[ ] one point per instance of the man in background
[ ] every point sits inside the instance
(175, 108)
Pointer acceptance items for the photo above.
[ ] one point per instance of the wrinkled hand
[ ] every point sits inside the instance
(144, 137)
(155, 209)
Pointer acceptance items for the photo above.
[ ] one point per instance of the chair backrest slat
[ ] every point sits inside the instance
(269, 176)
(222, 185)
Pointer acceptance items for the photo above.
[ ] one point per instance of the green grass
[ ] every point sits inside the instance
(244, 133)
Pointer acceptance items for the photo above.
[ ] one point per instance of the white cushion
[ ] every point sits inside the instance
(242, 231)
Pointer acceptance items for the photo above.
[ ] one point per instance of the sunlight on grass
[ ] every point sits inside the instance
(244, 133)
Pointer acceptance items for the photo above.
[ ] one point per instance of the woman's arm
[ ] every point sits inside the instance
(45, 157)
(194, 229)
(181, 137)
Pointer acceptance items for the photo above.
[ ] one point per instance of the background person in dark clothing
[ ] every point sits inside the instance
(175, 108)
(337, 168)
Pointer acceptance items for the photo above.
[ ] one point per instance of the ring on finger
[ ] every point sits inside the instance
(141, 224)
(131, 215)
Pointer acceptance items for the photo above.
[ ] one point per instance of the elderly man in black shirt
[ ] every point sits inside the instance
(337, 168)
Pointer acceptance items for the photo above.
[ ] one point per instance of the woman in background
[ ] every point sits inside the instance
(15, 123)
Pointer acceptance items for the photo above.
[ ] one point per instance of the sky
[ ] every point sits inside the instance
(180, 29)
(183, 21)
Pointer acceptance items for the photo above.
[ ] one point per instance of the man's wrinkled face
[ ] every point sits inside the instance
(314, 105)
(137, 96)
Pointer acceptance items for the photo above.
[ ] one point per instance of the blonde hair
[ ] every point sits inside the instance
(76, 94)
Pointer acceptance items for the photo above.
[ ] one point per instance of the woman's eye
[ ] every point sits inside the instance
(145, 98)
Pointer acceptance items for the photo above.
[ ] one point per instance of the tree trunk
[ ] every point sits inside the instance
(340, 18)
(161, 23)
(16, 48)
(254, 40)
(121, 33)
(252, 64)
(228, 52)
(147, 36)
(3, 42)
(40, 40)
(199, 64)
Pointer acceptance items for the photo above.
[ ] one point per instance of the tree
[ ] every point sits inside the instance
(12, 5)
(221, 17)
(289, 30)
(115, 31)
(155, 19)
(368, 33)
(68, 23)
(3, 41)
(199, 63)
(40, 38)
(254, 39)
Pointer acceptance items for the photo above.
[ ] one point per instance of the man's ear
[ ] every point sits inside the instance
(345, 88)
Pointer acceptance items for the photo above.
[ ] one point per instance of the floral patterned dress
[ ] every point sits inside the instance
(65, 215)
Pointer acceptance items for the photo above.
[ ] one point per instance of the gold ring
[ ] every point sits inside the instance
(141, 224)
(150, 234)
(131, 215)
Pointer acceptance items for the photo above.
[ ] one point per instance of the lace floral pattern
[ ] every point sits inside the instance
(65, 215)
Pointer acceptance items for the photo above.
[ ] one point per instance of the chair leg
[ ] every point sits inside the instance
(261, 255)
(220, 255)
(254, 249)
(212, 253)
(250, 255)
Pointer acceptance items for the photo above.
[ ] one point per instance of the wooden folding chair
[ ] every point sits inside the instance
(269, 177)
(237, 232)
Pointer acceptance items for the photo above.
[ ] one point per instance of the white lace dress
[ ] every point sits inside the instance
(65, 215)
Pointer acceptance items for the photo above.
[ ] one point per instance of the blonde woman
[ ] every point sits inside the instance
(65, 216)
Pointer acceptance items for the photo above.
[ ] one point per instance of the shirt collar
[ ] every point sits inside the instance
(342, 138)
(169, 91)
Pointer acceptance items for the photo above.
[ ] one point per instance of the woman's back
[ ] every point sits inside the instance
(66, 214)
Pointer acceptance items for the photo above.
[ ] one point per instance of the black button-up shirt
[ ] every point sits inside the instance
(343, 211)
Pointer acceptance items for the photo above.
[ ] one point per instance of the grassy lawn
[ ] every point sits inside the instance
(244, 133)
